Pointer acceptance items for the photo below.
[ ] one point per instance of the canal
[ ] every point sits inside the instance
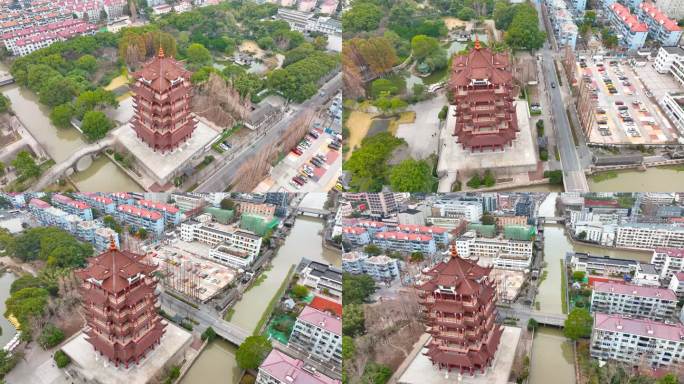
(552, 355)
(8, 330)
(60, 143)
(216, 364)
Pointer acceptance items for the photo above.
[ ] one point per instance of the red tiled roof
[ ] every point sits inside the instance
(321, 320)
(421, 228)
(671, 252)
(158, 206)
(401, 236)
(322, 304)
(601, 203)
(635, 290)
(354, 230)
(38, 203)
(660, 17)
(133, 210)
(645, 328)
(628, 19)
(286, 369)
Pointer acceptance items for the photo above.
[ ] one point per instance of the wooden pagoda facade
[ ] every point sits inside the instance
(481, 90)
(162, 95)
(120, 305)
(459, 306)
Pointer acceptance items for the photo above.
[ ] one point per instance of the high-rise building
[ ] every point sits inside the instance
(459, 299)
(482, 88)
(120, 305)
(162, 103)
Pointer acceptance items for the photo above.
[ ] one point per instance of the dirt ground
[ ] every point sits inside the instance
(392, 328)
(358, 123)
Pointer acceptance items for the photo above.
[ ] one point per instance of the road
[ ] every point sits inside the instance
(574, 178)
(223, 177)
(525, 313)
(206, 318)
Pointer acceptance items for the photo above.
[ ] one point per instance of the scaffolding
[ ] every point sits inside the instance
(482, 229)
(182, 277)
(223, 216)
(257, 224)
(519, 232)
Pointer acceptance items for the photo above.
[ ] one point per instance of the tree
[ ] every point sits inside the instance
(411, 176)
(348, 347)
(96, 125)
(523, 31)
(356, 288)
(247, 84)
(252, 352)
(25, 304)
(198, 55)
(443, 113)
(383, 86)
(372, 250)
(142, 233)
(362, 16)
(57, 90)
(61, 115)
(417, 256)
(25, 165)
(4, 103)
(489, 180)
(320, 42)
(466, 14)
(422, 46)
(367, 165)
(25, 281)
(474, 181)
(578, 275)
(670, 378)
(376, 373)
(300, 291)
(532, 324)
(209, 334)
(582, 235)
(50, 336)
(354, 320)
(488, 219)
(578, 324)
(92, 100)
(227, 204)
(87, 63)
(62, 359)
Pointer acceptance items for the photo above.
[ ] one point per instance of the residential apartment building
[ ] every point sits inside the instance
(630, 31)
(649, 236)
(644, 302)
(279, 368)
(646, 275)
(668, 261)
(320, 334)
(171, 213)
(635, 341)
(226, 254)
(502, 221)
(660, 27)
(72, 206)
(138, 217)
(23, 41)
(673, 103)
(204, 230)
(356, 235)
(595, 232)
(501, 252)
(677, 284)
(380, 267)
(562, 21)
(188, 201)
(441, 235)
(322, 278)
(382, 203)
(405, 242)
(464, 209)
(672, 8)
(103, 204)
(261, 209)
(414, 216)
(122, 198)
(601, 265)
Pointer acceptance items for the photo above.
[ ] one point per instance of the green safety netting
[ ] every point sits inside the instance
(257, 224)
(280, 328)
(223, 216)
(519, 232)
(483, 230)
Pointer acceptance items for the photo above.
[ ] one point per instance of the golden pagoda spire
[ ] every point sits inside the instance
(112, 244)
(477, 42)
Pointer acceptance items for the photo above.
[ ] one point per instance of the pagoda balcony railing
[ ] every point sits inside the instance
(449, 320)
(470, 304)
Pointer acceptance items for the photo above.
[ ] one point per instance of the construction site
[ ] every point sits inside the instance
(183, 270)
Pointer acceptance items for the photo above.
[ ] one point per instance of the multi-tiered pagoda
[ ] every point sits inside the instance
(121, 306)
(162, 103)
(458, 301)
(482, 92)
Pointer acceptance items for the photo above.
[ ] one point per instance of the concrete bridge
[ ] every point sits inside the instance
(553, 219)
(525, 313)
(60, 168)
(312, 211)
(6, 78)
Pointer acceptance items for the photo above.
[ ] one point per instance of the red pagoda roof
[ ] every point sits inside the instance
(480, 63)
(113, 268)
(464, 275)
(162, 72)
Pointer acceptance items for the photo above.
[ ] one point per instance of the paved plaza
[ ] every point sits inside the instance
(421, 370)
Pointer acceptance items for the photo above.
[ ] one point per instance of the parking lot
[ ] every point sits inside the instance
(626, 112)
